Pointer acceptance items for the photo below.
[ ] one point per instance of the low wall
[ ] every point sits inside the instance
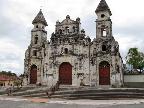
(134, 81)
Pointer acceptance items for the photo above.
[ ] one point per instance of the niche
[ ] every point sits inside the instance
(36, 40)
(34, 53)
(66, 51)
(104, 48)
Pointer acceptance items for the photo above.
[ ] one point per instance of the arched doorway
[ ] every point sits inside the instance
(65, 73)
(33, 74)
(104, 73)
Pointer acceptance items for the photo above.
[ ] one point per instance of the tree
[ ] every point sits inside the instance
(135, 58)
(18, 83)
(141, 61)
(9, 73)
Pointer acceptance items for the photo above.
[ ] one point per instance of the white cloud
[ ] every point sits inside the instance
(11, 56)
(126, 13)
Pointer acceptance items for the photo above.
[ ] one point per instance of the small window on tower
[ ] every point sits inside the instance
(34, 53)
(36, 26)
(103, 31)
(102, 15)
(66, 51)
(60, 31)
(43, 45)
(75, 40)
(36, 40)
(104, 48)
(74, 28)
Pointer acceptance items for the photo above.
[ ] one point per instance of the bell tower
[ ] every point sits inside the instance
(103, 22)
(107, 55)
(35, 54)
(38, 33)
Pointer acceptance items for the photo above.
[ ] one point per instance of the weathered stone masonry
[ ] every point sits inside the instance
(71, 57)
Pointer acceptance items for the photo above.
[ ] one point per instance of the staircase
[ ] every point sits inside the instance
(97, 94)
(30, 92)
(72, 92)
(36, 91)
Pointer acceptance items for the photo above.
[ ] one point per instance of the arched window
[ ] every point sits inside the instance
(74, 29)
(67, 29)
(117, 68)
(36, 40)
(34, 53)
(75, 40)
(60, 41)
(104, 48)
(60, 31)
(66, 51)
(36, 26)
(103, 31)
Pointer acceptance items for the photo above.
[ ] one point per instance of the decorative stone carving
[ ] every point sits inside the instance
(69, 44)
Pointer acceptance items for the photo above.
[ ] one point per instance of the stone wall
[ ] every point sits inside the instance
(133, 81)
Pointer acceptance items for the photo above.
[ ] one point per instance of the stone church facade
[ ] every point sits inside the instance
(70, 56)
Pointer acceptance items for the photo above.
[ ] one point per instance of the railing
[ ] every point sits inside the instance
(52, 90)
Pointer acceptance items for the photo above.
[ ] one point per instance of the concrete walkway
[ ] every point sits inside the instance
(77, 102)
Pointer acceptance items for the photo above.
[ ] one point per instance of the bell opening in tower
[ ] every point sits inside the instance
(103, 32)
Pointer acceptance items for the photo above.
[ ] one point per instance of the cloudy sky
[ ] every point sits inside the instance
(16, 17)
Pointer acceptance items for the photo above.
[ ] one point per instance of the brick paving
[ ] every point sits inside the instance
(38, 100)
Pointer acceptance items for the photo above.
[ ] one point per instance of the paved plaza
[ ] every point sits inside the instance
(19, 102)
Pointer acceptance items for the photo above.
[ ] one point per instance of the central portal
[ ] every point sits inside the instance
(65, 73)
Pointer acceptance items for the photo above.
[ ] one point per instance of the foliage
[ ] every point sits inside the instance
(9, 73)
(18, 83)
(135, 58)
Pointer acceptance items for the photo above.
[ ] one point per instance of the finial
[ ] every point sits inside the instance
(67, 17)
(78, 19)
(41, 4)
(41, 8)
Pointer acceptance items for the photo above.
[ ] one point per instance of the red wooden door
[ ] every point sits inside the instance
(33, 75)
(104, 74)
(65, 74)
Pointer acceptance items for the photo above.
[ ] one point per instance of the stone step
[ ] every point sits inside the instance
(84, 93)
(31, 91)
(41, 89)
(97, 97)
(79, 91)
(103, 95)
(25, 88)
(98, 93)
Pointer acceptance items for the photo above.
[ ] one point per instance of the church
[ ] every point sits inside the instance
(70, 56)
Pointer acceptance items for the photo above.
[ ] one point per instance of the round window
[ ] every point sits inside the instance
(102, 15)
